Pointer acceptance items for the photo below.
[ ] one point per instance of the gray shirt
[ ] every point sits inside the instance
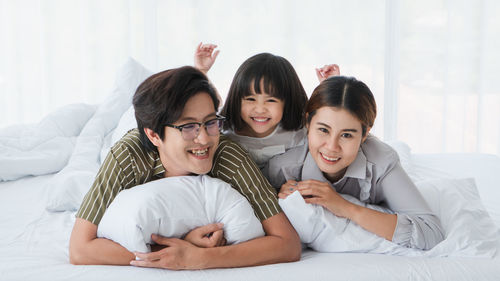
(374, 177)
(263, 149)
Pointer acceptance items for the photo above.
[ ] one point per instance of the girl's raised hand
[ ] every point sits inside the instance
(321, 193)
(327, 71)
(287, 188)
(204, 56)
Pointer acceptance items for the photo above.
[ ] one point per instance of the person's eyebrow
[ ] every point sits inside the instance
(343, 130)
(192, 119)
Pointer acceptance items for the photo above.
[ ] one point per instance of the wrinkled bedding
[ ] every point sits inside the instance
(46, 169)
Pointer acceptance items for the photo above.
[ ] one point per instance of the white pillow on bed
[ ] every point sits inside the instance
(404, 153)
(69, 186)
(469, 229)
(126, 123)
(470, 232)
(172, 207)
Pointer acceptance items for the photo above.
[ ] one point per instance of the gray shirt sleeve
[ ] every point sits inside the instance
(417, 226)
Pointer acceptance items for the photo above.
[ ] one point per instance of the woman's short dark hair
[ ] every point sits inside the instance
(346, 93)
(161, 98)
(279, 80)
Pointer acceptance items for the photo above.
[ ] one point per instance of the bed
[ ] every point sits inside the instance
(44, 176)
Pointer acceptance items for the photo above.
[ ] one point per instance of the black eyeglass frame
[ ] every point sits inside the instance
(181, 127)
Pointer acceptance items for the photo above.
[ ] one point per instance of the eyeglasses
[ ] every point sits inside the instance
(190, 131)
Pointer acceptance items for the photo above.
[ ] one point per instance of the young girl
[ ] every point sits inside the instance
(264, 108)
(342, 157)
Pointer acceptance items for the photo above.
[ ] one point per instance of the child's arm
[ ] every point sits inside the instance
(327, 71)
(204, 56)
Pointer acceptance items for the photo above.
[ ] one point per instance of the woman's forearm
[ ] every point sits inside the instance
(379, 223)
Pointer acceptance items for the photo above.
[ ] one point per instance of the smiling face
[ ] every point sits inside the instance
(181, 157)
(261, 113)
(335, 136)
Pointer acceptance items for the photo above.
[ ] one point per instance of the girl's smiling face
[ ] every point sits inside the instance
(335, 136)
(261, 113)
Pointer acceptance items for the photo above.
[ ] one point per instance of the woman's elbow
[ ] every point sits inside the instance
(421, 232)
(435, 237)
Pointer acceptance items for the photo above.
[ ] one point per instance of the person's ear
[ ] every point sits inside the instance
(366, 134)
(153, 137)
(307, 123)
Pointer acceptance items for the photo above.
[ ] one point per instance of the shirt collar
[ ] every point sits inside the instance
(357, 169)
(311, 171)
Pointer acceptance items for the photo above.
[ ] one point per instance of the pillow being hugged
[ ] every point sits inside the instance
(172, 207)
(322, 231)
(470, 232)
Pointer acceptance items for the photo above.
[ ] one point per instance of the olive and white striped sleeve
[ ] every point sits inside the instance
(233, 165)
(126, 165)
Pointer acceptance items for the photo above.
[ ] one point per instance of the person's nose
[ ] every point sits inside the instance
(203, 137)
(333, 144)
(260, 107)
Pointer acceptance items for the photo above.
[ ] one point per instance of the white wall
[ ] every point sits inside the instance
(432, 65)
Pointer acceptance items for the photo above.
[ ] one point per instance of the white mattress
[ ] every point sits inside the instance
(34, 243)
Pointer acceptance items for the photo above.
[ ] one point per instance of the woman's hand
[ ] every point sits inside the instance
(287, 188)
(204, 57)
(327, 71)
(321, 193)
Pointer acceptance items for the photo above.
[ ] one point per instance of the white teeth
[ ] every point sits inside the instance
(330, 159)
(260, 119)
(200, 152)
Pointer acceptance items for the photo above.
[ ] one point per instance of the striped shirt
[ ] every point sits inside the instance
(129, 164)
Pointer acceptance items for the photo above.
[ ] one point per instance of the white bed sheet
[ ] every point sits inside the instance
(34, 246)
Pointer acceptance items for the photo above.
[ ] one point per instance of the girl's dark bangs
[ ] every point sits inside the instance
(269, 86)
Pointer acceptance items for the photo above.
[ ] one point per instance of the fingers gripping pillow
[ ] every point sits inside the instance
(172, 207)
(470, 232)
(322, 231)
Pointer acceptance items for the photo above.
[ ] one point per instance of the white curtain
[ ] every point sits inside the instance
(432, 65)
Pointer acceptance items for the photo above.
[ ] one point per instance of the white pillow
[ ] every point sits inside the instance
(126, 123)
(482, 167)
(43, 148)
(172, 207)
(470, 232)
(322, 231)
(68, 187)
(404, 153)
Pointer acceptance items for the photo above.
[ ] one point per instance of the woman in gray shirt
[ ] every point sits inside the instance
(342, 157)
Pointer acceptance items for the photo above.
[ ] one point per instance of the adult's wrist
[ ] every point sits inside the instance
(353, 212)
(205, 258)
